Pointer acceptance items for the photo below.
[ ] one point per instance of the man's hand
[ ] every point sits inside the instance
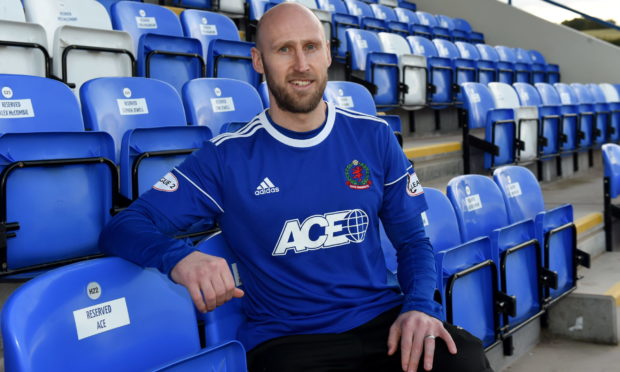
(413, 329)
(207, 278)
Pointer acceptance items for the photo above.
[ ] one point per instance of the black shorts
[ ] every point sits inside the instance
(361, 349)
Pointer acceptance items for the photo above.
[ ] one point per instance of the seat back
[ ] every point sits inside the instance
(40, 121)
(118, 105)
(52, 14)
(610, 92)
(206, 26)
(467, 50)
(213, 102)
(528, 95)
(477, 100)
(611, 167)
(107, 313)
(521, 191)
(12, 10)
(351, 96)
(488, 53)
(440, 221)
(465, 68)
(22, 60)
(440, 70)
(478, 204)
(232, 59)
(142, 18)
(222, 324)
(577, 94)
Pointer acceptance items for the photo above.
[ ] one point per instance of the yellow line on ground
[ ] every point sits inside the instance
(589, 221)
(175, 9)
(440, 148)
(614, 292)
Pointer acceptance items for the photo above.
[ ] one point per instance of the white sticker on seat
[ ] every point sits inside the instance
(362, 44)
(475, 98)
(208, 29)
(345, 101)
(222, 104)
(146, 22)
(134, 106)
(514, 189)
(473, 202)
(16, 109)
(100, 318)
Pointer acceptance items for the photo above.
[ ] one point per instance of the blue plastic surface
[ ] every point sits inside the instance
(212, 102)
(154, 319)
(351, 96)
(550, 97)
(232, 59)
(206, 26)
(440, 71)
(611, 167)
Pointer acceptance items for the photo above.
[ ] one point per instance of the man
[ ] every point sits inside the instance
(298, 193)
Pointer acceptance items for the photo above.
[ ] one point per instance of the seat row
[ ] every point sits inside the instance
(501, 258)
(138, 39)
(540, 122)
(414, 72)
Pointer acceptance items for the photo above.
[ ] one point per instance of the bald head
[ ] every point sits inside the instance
(286, 19)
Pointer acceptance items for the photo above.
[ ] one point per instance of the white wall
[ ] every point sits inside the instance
(582, 58)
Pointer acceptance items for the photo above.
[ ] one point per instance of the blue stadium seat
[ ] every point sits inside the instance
(612, 97)
(222, 324)
(380, 70)
(341, 21)
(410, 17)
(465, 69)
(366, 16)
(528, 125)
(388, 15)
(212, 102)
(569, 133)
(611, 184)
(353, 96)
(492, 72)
(555, 229)
(587, 120)
(509, 69)
(550, 121)
(466, 273)
(226, 55)
(500, 127)
(441, 74)
(108, 4)
(263, 92)
(429, 20)
(458, 34)
(539, 66)
(407, 4)
(600, 110)
(162, 51)
(145, 118)
(109, 314)
(231, 8)
(481, 211)
(486, 71)
(59, 183)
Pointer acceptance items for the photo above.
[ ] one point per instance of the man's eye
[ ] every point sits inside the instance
(284, 49)
(311, 47)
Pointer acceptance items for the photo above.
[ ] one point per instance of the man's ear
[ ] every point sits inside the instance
(257, 61)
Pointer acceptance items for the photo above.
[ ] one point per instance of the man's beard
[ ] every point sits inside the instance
(289, 102)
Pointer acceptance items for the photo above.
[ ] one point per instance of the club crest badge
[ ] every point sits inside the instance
(358, 175)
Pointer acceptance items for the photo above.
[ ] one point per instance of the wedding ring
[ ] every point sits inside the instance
(429, 336)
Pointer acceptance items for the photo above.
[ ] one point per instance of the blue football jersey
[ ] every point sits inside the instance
(302, 213)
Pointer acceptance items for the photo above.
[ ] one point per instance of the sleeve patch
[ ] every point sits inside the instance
(168, 183)
(414, 187)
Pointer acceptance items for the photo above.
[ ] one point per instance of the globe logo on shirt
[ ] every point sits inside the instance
(355, 225)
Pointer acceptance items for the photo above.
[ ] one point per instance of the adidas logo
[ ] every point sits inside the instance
(266, 187)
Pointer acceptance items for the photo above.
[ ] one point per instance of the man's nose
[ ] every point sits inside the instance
(301, 60)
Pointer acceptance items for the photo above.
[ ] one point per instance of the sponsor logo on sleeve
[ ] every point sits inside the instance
(414, 187)
(167, 183)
